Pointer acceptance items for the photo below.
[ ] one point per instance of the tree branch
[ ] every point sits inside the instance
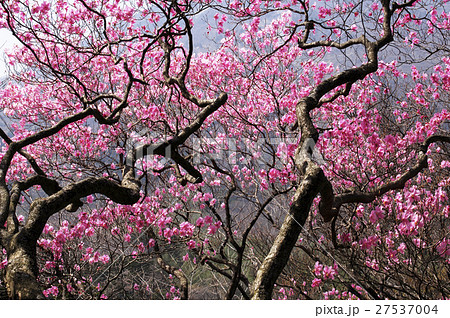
(128, 192)
(367, 197)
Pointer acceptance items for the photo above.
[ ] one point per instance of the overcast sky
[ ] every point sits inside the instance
(6, 42)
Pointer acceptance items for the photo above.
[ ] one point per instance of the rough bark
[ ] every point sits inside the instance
(281, 249)
(3, 293)
(21, 271)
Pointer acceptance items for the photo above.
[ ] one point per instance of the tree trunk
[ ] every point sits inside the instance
(21, 270)
(3, 293)
(280, 252)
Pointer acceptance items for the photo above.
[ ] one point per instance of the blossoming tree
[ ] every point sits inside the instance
(131, 147)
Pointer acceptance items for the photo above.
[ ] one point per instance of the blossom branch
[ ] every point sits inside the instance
(128, 192)
(367, 197)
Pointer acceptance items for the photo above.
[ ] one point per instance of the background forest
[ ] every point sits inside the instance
(217, 149)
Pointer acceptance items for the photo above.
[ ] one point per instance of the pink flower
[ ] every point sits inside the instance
(186, 229)
(49, 265)
(3, 263)
(60, 237)
(200, 222)
(443, 248)
(401, 248)
(168, 233)
(360, 211)
(318, 269)
(372, 264)
(376, 215)
(282, 150)
(89, 231)
(389, 139)
(208, 219)
(104, 259)
(191, 244)
(141, 247)
(94, 258)
(329, 272)
(212, 229)
(316, 282)
(273, 175)
(115, 231)
(345, 237)
(90, 199)
(120, 151)
(48, 229)
(52, 291)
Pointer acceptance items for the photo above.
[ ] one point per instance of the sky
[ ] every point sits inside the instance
(7, 41)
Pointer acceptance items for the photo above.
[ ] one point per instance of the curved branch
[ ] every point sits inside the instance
(49, 186)
(16, 146)
(128, 192)
(168, 148)
(350, 76)
(367, 197)
(25, 154)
